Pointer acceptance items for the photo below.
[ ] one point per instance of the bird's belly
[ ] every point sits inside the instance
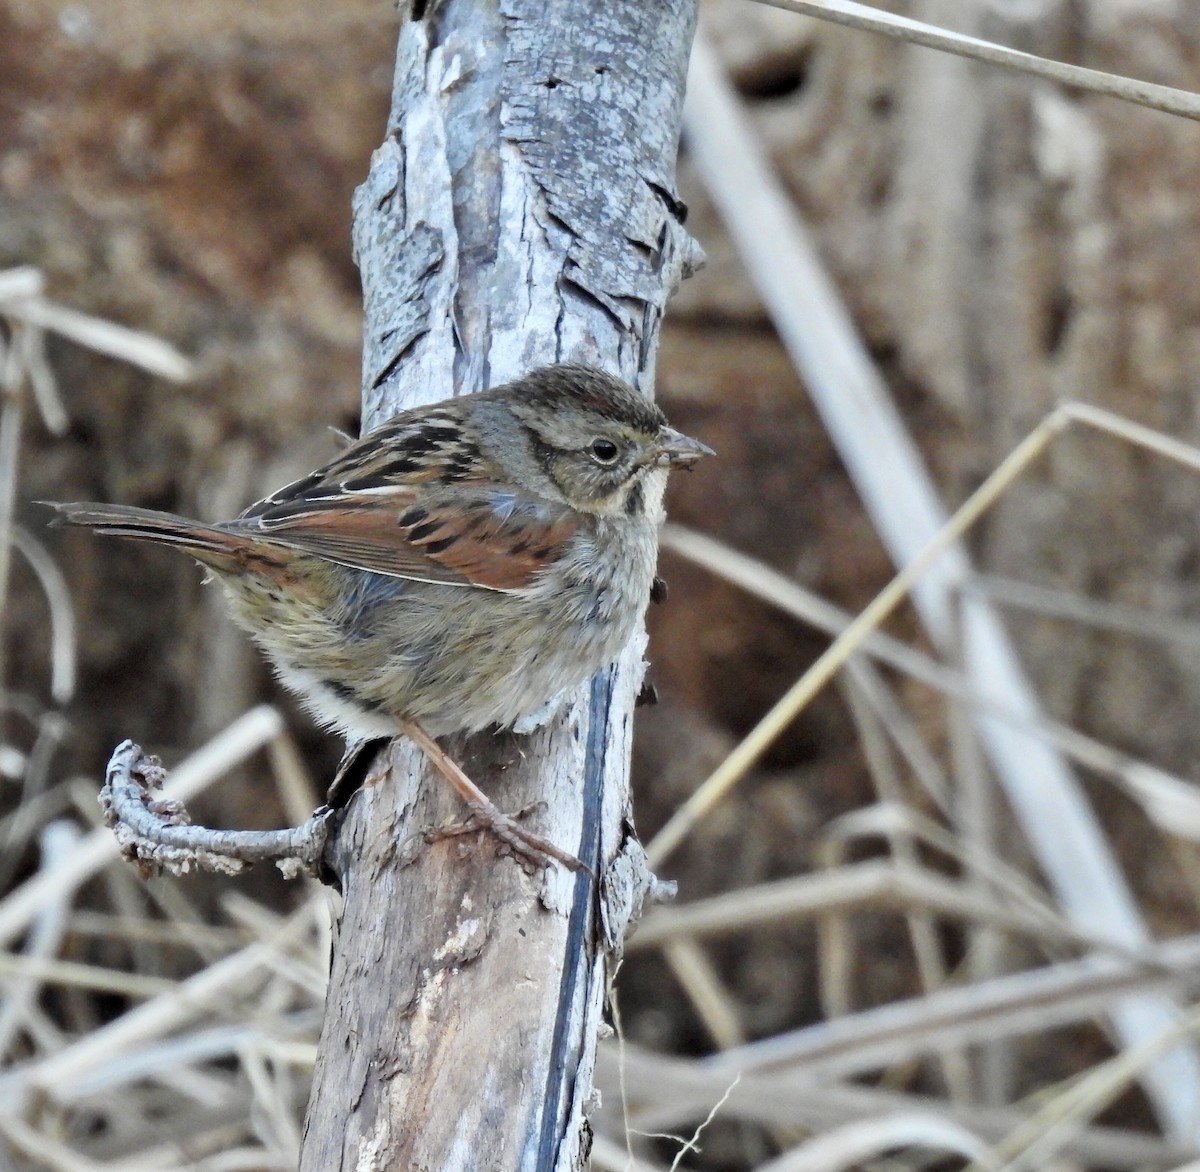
(511, 655)
(453, 658)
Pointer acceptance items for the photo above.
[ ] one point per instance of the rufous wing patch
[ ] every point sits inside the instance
(487, 537)
(501, 548)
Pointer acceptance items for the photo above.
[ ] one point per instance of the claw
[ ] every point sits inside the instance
(528, 848)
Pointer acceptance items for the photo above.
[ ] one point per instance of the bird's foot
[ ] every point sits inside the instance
(530, 850)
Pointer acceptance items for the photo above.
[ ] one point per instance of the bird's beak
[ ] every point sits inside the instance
(676, 450)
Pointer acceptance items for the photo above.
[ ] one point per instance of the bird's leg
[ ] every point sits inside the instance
(484, 813)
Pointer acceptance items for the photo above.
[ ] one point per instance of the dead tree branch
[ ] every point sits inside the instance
(521, 210)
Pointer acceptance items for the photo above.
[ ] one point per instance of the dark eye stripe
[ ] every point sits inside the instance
(545, 456)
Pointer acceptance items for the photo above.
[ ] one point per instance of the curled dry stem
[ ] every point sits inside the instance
(156, 833)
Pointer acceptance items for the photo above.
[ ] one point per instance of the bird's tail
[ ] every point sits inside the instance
(205, 542)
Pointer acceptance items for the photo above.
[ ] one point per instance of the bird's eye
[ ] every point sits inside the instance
(604, 451)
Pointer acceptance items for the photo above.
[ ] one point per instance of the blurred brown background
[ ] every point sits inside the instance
(187, 170)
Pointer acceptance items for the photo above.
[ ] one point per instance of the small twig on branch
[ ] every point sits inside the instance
(156, 833)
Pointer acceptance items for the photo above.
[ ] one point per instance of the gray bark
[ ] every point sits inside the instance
(521, 210)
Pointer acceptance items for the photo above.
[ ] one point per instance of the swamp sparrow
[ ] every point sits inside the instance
(455, 569)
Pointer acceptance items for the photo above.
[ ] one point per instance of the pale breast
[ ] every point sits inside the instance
(459, 658)
(510, 654)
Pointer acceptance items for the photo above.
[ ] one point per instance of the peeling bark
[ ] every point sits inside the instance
(521, 210)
